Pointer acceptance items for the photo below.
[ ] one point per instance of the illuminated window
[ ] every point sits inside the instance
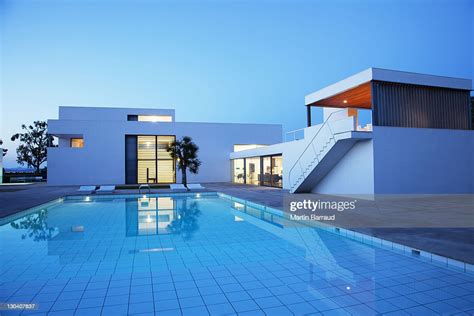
(155, 118)
(77, 142)
(155, 164)
(247, 146)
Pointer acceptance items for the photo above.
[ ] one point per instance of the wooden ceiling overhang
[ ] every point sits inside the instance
(358, 97)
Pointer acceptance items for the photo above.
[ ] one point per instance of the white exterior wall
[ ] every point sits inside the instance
(421, 160)
(353, 174)
(102, 160)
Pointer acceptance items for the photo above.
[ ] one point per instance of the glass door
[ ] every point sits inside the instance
(277, 171)
(267, 171)
(146, 155)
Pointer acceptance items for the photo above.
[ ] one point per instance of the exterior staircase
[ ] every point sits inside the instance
(323, 151)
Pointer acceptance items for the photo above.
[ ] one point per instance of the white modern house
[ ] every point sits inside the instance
(128, 146)
(383, 132)
(419, 139)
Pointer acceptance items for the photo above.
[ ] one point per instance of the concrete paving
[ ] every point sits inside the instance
(456, 242)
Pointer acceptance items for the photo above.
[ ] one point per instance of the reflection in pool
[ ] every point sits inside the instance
(161, 215)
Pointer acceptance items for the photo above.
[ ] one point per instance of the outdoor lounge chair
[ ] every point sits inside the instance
(177, 187)
(104, 189)
(195, 186)
(87, 189)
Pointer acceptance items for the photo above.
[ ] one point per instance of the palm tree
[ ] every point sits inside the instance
(184, 151)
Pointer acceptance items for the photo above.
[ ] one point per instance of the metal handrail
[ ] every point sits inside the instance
(311, 142)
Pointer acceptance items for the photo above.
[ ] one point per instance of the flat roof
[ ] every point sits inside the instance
(387, 75)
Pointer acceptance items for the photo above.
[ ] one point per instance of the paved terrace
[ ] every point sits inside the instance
(417, 215)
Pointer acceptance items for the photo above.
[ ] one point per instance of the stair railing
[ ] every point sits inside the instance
(311, 144)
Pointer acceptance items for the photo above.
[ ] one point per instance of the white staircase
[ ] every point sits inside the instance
(323, 151)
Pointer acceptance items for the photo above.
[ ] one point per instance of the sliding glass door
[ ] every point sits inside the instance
(154, 164)
(277, 171)
(266, 171)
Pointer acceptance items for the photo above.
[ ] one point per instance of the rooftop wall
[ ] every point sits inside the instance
(107, 114)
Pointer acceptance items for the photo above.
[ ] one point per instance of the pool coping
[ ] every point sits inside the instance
(438, 260)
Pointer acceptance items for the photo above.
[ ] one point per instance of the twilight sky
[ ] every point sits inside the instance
(223, 61)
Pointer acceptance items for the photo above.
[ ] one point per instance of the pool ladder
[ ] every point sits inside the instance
(144, 186)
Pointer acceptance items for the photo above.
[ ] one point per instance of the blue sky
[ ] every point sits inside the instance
(224, 61)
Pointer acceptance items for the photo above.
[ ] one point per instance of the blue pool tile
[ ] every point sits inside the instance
(226, 280)
(166, 305)
(215, 299)
(267, 302)
(302, 308)
(137, 308)
(382, 306)
(280, 290)
(258, 293)
(164, 295)
(245, 306)
(422, 298)
(195, 311)
(361, 309)
(402, 302)
(65, 305)
(187, 292)
(138, 289)
(172, 312)
(50, 297)
(185, 285)
(116, 300)
(237, 296)
(88, 311)
(231, 287)
(324, 304)
(460, 303)
(419, 310)
(252, 285)
(141, 281)
(62, 313)
(291, 298)
(94, 293)
(91, 302)
(208, 290)
(205, 282)
(253, 313)
(190, 302)
(141, 297)
(221, 309)
(75, 287)
(280, 311)
(70, 295)
(98, 285)
(443, 307)
(115, 310)
(118, 291)
(337, 312)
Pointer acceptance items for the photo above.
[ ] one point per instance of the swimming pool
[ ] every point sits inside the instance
(199, 254)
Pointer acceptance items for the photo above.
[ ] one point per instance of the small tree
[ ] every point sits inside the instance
(4, 151)
(185, 152)
(33, 148)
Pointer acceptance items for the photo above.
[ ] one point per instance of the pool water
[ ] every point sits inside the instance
(204, 254)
